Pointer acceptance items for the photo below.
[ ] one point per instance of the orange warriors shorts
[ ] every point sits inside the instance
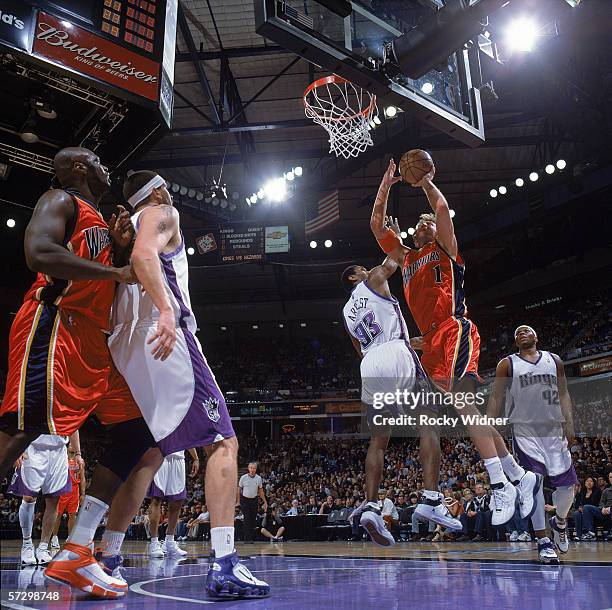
(451, 352)
(69, 503)
(59, 372)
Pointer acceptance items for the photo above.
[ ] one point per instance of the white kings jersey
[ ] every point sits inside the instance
(372, 318)
(533, 392)
(132, 303)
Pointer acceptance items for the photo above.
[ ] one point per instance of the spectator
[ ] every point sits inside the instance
(590, 515)
(327, 506)
(272, 525)
(294, 511)
(482, 525)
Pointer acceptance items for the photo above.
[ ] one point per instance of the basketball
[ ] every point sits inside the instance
(415, 165)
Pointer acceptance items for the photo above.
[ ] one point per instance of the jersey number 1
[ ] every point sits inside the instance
(438, 274)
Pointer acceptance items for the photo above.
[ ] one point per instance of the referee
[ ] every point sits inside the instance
(249, 487)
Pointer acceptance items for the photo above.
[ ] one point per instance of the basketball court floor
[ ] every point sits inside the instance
(347, 575)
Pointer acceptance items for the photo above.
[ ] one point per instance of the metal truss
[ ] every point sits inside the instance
(20, 156)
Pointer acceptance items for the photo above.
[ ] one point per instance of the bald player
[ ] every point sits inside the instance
(58, 358)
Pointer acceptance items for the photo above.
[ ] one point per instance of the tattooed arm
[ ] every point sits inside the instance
(159, 231)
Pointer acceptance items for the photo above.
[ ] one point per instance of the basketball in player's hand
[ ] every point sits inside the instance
(415, 165)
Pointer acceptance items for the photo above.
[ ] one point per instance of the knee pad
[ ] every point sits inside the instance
(130, 440)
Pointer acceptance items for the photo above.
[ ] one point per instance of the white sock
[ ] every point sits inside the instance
(222, 541)
(495, 470)
(26, 519)
(431, 495)
(111, 543)
(169, 538)
(154, 539)
(511, 468)
(43, 546)
(87, 521)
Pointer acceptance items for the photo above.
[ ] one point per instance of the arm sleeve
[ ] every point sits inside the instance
(389, 242)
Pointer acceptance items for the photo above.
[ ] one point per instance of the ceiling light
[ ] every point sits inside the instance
(550, 169)
(493, 193)
(224, 328)
(377, 120)
(191, 193)
(190, 251)
(290, 175)
(28, 132)
(298, 171)
(411, 231)
(10, 223)
(452, 213)
(276, 189)
(403, 234)
(519, 182)
(372, 124)
(255, 327)
(313, 244)
(533, 176)
(561, 164)
(260, 194)
(215, 201)
(232, 207)
(502, 190)
(183, 190)
(303, 324)
(223, 203)
(521, 35)
(328, 243)
(253, 198)
(199, 196)
(175, 187)
(390, 111)
(427, 88)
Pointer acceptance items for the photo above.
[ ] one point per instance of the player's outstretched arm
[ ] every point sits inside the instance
(159, 226)
(565, 400)
(44, 244)
(498, 391)
(388, 240)
(444, 222)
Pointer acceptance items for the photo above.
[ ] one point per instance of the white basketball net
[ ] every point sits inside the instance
(345, 112)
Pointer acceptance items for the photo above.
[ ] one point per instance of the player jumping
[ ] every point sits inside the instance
(433, 275)
(541, 416)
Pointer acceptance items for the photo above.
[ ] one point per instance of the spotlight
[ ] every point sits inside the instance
(224, 328)
(328, 243)
(183, 190)
(276, 189)
(403, 234)
(215, 201)
(303, 324)
(255, 327)
(372, 124)
(550, 169)
(493, 193)
(502, 190)
(533, 176)
(411, 231)
(223, 203)
(199, 196)
(10, 223)
(427, 88)
(253, 198)
(175, 188)
(313, 244)
(377, 120)
(521, 35)
(44, 108)
(452, 213)
(298, 171)
(290, 175)
(260, 194)
(28, 133)
(207, 198)
(248, 200)
(191, 193)
(190, 251)
(390, 111)
(561, 164)
(519, 182)
(281, 325)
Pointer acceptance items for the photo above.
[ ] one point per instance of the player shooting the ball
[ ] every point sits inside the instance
(433, 275)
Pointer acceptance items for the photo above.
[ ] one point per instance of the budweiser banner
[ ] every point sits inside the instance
(74, 48)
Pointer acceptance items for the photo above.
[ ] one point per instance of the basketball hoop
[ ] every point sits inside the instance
(344, 110)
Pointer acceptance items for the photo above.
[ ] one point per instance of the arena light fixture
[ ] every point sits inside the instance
(519, 182)
(328, 243)
(550, 169)
(224, 204)
(411, 231)
(561, 164)
(533, 176)
(281, 325)
(452, 213)
(191, 193)
(260, 194)
(276, 189)
(493, 193)
(427, 88)
(10, 223)
(199, 196)
(403, 234)
(303, 324)
(253, 198)
(183, 190)
(190, 251)
(224, 328)
(255, 327)
(232, 207)
(175, 188)
(390, 111)
(248, 200)
(313, 244)
(298, 170)
(290, 176)
(502, 190)
(377, 120)
(521, 35)
(215, 201)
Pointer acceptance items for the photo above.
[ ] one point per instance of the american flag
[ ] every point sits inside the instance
(325, 212)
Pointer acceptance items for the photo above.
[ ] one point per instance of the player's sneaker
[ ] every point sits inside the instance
(228, 578)
(527, 489)
(588, 537)
(156, 550)
(513, 536)
(75, 565)
(55, 545)
(437, 511)
(524, 537)
(560, 537)
(111, 565)
(503, 503)
(43, 556)
(172, 549)
(546, 551)
(28, 557)
(373, 523)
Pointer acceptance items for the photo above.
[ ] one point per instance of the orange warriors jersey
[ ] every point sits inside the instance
(88, 239)
(75, 472)
(433, 287)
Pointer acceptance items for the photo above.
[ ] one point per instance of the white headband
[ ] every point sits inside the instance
(525, 326)
(145, 191)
